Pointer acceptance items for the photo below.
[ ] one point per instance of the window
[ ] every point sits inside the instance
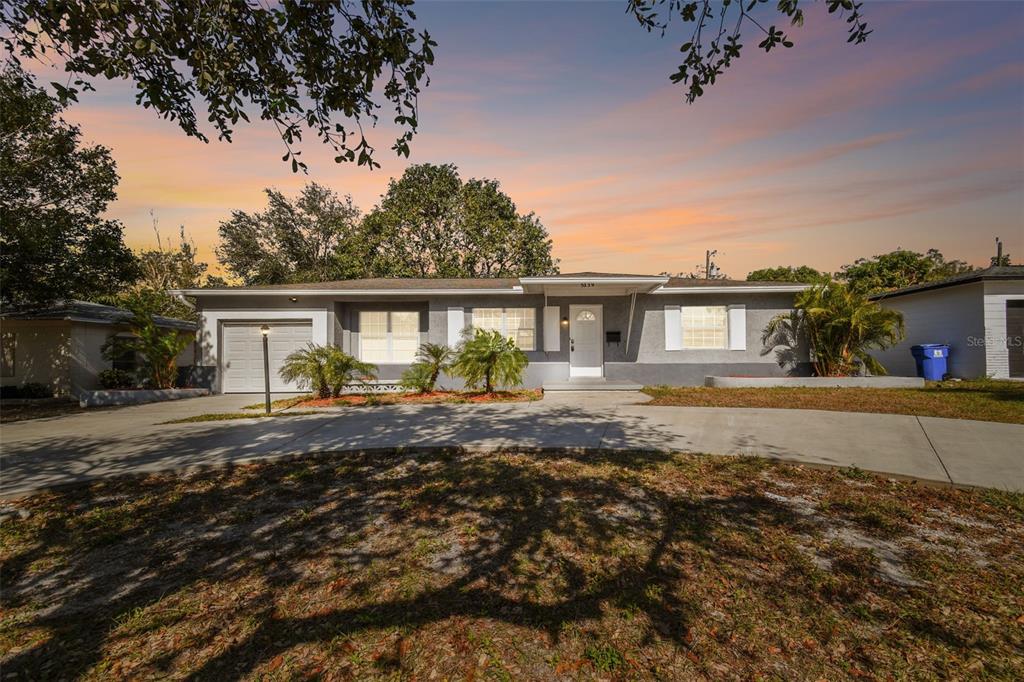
(705, 326)
(518, 324)
(585, 316)
(8, 342)
(388, 337)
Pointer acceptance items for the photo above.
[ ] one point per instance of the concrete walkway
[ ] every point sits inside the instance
(48, 452)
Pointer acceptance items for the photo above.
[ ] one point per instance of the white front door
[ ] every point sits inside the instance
(586, 352)
(242, 354)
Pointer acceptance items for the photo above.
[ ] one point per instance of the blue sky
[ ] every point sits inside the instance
(814, 155)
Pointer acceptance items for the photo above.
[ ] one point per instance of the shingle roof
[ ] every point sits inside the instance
(385, 283)
(85, 311)
(996, 272)
(675, 282)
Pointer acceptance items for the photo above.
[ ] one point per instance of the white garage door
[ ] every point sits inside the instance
(242, 354)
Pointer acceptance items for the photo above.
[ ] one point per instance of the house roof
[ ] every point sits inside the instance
(85, 311)
(484, 284)
(1001, 272)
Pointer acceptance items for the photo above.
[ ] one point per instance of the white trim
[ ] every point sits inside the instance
(552, 328)
(673, 328)
(736, 326)
(725, 290)
(456, 325)
(342, 292)
(579, 280)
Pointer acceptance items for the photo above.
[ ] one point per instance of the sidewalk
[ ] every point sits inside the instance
(49, 452)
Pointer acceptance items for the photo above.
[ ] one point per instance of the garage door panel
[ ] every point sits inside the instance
(242, 357)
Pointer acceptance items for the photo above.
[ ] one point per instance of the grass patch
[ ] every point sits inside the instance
(983, 399)
(281, 402)
(19, 413)
(226, 416)
(514, 566)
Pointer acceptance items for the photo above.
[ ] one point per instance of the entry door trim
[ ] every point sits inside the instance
(585, 371)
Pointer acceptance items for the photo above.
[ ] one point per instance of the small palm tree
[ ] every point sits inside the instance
(841, 326)
(487, 358)
(431, 360)
(307, 367)
(342, 370)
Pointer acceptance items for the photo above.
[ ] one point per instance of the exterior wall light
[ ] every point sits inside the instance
(293, 299)
(565, 321)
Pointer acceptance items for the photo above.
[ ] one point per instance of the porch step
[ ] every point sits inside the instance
(591, 385)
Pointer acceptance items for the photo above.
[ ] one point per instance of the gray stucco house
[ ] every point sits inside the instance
(581, 327)
(980, 315)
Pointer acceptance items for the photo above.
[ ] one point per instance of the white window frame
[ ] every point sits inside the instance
(683, 320)
(389, 337)
(504, 321)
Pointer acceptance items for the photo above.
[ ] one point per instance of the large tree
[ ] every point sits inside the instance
(54, 243)
(717, 26)
(898, 269)
(300, 65)
(432, 224)
(315, 237)
(787, 273)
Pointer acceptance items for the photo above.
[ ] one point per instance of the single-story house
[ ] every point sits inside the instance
(980, 315)
(60, 346)
(583, 326)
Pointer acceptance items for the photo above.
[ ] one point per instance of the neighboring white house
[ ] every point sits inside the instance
(980, 315)
(583, 326)
(61, 346)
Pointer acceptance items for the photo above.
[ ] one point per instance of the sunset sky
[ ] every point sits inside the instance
(814, 155)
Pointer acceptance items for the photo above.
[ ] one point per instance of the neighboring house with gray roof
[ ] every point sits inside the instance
(60, 346)
(979, 315)
(584, 326)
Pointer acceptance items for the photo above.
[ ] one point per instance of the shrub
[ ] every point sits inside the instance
(488, 358)
(841, 326)
(307, 368)
(342, 370)
(158, 347)
(431, 360)
(116, 379)
(32, 389)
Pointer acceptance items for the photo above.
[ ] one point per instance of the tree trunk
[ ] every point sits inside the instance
(487, 381)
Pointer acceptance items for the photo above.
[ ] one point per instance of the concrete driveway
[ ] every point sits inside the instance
(47, 452)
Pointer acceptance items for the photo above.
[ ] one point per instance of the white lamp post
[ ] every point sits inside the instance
(265, 331)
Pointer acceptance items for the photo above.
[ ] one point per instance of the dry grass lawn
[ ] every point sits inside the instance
(515, 566)
(985, 400)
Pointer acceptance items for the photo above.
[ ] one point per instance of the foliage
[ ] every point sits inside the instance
(432, 224)
(307, 367)
(300, 65)
(1001, 260)
(116, 378)
(54, 242)
(841, 326)
(343, 370)
(327, 370)
(28, 391)
(158, 347)
(717, 28)
(787, 273)
(898, 269)
(431, 360)
(314, 238)
(487, 358)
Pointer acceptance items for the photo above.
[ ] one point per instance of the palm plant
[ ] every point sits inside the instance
(487, 358)
(431, 360)
(307, 367)
(156, 346)
(840, 325)
(342, 370)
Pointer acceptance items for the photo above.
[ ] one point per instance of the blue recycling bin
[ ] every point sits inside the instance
(931, 360)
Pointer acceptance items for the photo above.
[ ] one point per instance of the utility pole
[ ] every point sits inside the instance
(707, 262)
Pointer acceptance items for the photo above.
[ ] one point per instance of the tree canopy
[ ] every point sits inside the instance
(787, 273)
(717, 27)
(316, 237)
(300, 65)
(898, 269)
(54, 244)
(432, 224)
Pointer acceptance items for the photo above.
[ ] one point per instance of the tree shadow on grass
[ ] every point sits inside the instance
(321, 551)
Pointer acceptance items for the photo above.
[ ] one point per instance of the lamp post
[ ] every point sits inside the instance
(265, 332)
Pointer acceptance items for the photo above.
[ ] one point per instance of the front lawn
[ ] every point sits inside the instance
(42, 410)
(444, 566)
(985, 400)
